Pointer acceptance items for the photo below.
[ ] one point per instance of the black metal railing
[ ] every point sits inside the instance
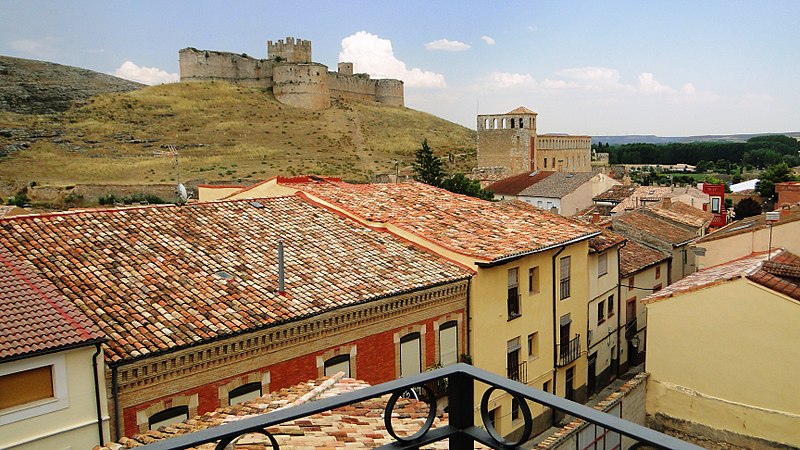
(518, 373)
(570, 351)
(630, 328)
(461, 430)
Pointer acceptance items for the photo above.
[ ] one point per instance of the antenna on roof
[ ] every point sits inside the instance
(180, 189)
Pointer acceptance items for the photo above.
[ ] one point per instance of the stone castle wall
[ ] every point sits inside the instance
(206, 65)
(564, 153)
(295, 80)
(302, 85)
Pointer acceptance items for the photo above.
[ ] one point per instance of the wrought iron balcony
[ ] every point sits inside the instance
(631, 328)
(461, 430)
(518, 372)
(569, 352)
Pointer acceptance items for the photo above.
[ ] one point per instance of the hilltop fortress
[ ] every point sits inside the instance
(294, 78)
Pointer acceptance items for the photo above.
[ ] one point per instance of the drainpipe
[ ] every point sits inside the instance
(281, 290)
(555, 329)
(97, 393)
(115, 396)
(469, 319)
(619, 302)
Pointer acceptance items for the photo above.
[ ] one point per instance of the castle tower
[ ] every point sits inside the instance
(507, 140)
(290, 50)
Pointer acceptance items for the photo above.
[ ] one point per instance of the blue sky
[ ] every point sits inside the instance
(587, 67)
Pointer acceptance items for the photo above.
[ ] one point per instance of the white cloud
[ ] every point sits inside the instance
(505, 80)
(592, 76)
(688, 89)
(488, 40)
(649, 84)
(146, 75)
(447, 45)
(375, 56)
(39, 48)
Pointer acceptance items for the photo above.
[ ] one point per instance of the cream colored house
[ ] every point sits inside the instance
(743, 237)
(566, 193)
(528, 300)
(722, 352)
(603, 313)
(52, 388)
(643, 270)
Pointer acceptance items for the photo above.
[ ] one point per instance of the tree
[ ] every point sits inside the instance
(746, 207)
(774, 174)
(427, 167)
(460, 184)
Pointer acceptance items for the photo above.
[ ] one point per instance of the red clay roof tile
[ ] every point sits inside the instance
(467, 225)
(152, 277)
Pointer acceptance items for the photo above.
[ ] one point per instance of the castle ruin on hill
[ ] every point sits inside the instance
(294, 78)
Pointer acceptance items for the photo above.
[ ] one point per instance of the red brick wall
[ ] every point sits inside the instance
(374, 363)
(788, 192)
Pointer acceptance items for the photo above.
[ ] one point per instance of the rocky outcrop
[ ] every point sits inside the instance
(37, 87)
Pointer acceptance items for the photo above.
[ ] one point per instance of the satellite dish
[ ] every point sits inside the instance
(182, 194)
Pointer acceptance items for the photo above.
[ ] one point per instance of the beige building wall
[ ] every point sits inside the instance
(563, 153)
(604, 334)
(211, 193)
(726, 357)
(67, 421)
(631, 294)
(722, 250)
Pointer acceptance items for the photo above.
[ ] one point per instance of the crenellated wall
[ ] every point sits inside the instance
(295, 80)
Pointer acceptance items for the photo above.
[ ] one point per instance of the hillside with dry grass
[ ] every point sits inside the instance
(222, 133)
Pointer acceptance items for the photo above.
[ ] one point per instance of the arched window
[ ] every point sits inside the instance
(410, 355)
(244, 393)
(512, 122)
(521, 123)
(339, 363)
(168, 417)
(494, 123)
(504, 123)
(448, 343)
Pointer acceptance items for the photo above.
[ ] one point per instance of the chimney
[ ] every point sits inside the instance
(666, 202)
(281, 290)
(595, 217)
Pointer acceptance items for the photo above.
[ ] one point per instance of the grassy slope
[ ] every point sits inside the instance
(224, 133)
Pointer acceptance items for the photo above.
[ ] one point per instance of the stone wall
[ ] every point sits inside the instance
(564, 153)
(243, 70)
(295, 80)
(302, 85)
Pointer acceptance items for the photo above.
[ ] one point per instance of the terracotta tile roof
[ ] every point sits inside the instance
(355, 426)
(748, 225)
(467, 225)
(34, 316)
(659, 229)
(558, 185)
(516, 184)
(160, 277)
(616, 194)
(710, 276)
(656, 193)
(634, 257)
(521, 110)
(682, 213)
(605, 240)
(781, 274)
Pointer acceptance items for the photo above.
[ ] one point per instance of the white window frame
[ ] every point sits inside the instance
(60, 399)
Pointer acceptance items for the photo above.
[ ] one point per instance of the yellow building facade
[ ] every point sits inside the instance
(722, 354)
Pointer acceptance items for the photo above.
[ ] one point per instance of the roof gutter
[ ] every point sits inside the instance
(506, 259)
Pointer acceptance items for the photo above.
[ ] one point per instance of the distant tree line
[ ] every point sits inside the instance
(757, 153)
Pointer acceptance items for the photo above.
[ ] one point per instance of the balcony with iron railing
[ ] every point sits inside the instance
(518, 372)
(460, 429)
(570, 351)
